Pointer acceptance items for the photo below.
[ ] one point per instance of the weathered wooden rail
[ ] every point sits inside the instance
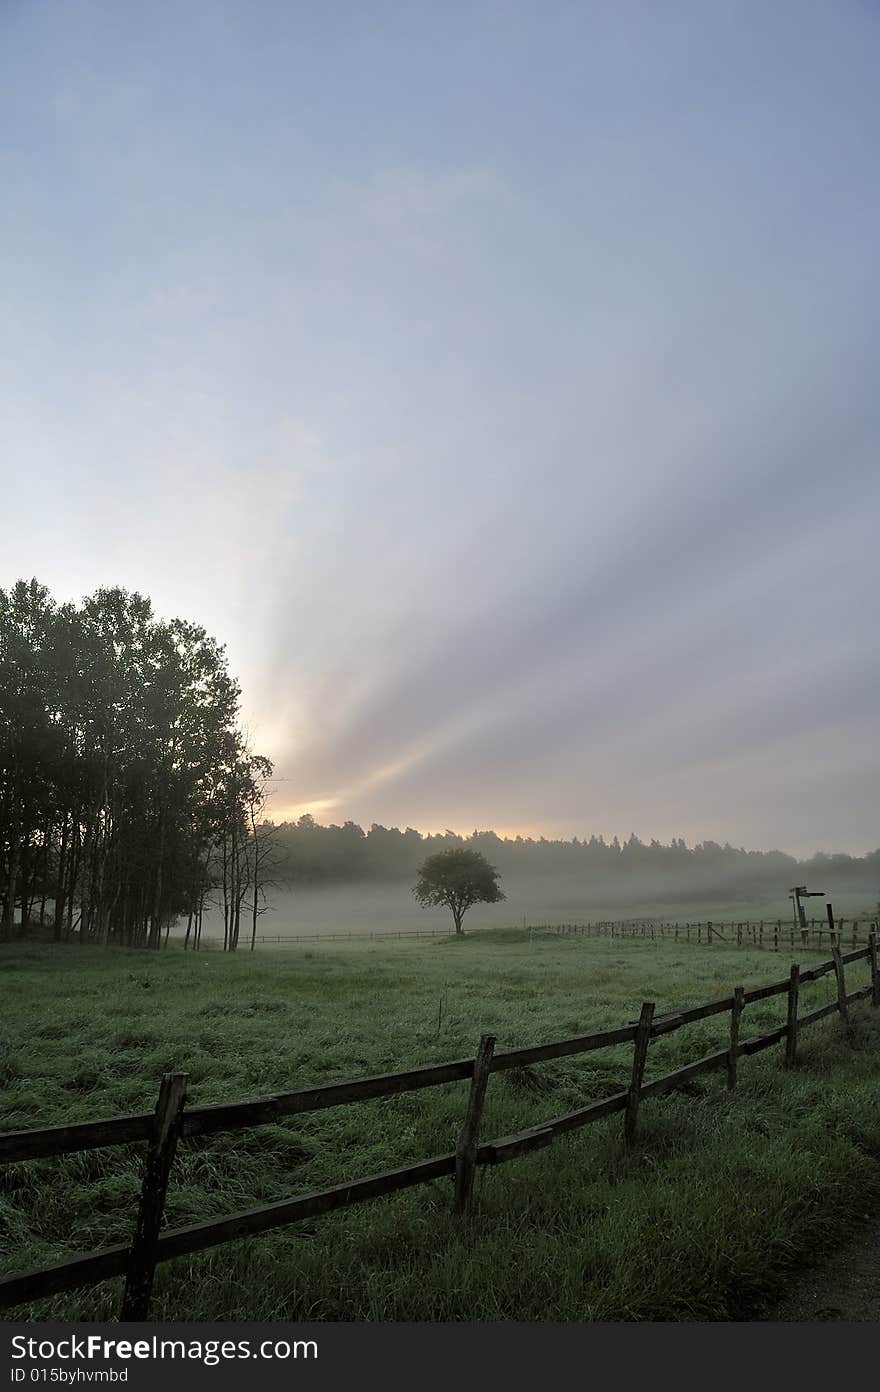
(171, 1120)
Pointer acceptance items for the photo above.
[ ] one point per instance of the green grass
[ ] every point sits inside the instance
(721, 1198)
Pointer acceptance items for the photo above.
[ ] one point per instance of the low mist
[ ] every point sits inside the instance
(376, 908)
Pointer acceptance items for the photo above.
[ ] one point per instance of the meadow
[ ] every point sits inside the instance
(723, 1196)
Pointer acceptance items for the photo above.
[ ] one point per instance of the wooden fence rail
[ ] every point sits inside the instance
(136, 1260)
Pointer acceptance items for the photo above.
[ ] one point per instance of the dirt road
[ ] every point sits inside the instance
(845, 1286)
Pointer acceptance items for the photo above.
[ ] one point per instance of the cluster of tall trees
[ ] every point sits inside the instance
(128, 794)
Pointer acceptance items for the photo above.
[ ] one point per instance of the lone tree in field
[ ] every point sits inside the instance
(458, 879)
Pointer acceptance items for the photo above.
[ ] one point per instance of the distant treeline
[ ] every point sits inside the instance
(128, 795)
(311, 854)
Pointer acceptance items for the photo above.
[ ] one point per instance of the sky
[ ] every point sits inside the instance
(499, 381)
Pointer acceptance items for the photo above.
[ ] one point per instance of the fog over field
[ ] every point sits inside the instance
(341, 879)
(375, 908)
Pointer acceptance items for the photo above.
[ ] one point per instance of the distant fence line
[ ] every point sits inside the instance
(137, 1260)
(773, 934)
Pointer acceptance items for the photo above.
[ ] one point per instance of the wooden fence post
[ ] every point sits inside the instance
(640, 1056)
(792, 1017)
(733, 1051)
(469, 1135)
(157, 1167)
(875, 975)
(841, 987)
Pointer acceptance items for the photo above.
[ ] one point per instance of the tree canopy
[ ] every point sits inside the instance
(457, 878)
(126, 786)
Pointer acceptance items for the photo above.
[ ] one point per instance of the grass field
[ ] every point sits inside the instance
(722, 1197)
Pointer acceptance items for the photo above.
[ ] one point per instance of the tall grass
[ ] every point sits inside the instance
(723, 1196)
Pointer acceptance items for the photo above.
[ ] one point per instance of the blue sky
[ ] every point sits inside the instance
(498, 381)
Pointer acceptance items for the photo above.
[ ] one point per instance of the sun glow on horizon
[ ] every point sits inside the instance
(291, 812)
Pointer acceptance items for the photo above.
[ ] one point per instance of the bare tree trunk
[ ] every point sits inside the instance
(14, 854)
(58, 921)
(24, 872)
(225, 895)
(75, 858)
(236, 882)
(155, 938)
(124, 917)
(44, 870)
(86, 900)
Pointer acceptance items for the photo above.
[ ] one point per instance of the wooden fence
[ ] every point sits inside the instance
(172, 1119)
(775, 934)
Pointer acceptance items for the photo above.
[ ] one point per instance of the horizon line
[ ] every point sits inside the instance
(293, 816)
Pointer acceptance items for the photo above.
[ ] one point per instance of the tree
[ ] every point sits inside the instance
(262, 850)
(124, 779)
(458, 879)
